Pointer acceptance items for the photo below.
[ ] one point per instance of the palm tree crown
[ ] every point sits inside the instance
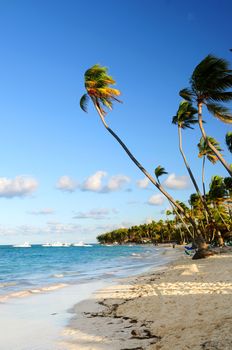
(159, 171)
(209, 85)
(98, 85)
(205, 150)
(185, 116)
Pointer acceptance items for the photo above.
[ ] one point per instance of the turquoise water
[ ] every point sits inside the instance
(38, 286)
(38, 269)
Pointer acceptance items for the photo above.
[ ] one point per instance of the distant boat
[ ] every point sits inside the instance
(81, 244)
(57, 244)
(24, 245)
(46, 245)
(66, 244)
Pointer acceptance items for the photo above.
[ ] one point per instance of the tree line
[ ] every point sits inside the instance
(176, 228)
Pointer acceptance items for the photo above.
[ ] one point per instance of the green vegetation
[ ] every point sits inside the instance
(208, 216)
(176, 228)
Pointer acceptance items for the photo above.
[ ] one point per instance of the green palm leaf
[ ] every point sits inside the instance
(187, 94)
(98, 85)
(229, 141)
(220, 112)
(185, 116)
(211, 74)
(159, 171)
(205, 150)
(84, 102)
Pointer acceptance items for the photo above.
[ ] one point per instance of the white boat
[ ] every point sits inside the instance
(81, 244)
(46, 245)
(24, 245)
(57, 244)
(66, 244)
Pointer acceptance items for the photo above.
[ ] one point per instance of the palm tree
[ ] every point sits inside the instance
(218, 193)
(185, 118)
(159, 171)
(98, 86)
(209, 86)
(229, 141)
(206, 152)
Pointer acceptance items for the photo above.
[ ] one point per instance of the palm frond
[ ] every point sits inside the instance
(220, 112)
(205, 150)
(187, 94)
(219, 96)
(97, 84)
(98, 72)
(175, 120)
(106, 102)
(211, 76)
(229, 140)
(159, 171)
(185, 116)
(84, 102)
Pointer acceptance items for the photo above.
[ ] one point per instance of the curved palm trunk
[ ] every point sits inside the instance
(145, 172)
(203, 176)
(213, 149)
(192, 177)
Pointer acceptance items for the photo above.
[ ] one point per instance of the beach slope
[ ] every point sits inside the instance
(186, 306)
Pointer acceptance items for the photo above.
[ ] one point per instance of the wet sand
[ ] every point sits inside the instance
(185, 306)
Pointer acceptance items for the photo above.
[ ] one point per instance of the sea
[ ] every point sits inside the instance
(38, 285)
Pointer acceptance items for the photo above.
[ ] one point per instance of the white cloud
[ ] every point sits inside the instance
(177, 182)
(156, 199)
(20, 186)
(66, 183)
(94, 182)
(45, 211)
(143, 183)
(115, 183)
(96, 214)
(59, 228)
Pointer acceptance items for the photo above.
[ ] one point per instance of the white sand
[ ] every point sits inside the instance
(188, 306)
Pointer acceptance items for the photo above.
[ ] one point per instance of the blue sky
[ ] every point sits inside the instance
(62, 176)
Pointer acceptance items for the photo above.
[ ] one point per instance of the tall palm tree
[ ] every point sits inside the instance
(209, 86)
(229, 140)
(185, 118)
(206, 152)
(98, 86)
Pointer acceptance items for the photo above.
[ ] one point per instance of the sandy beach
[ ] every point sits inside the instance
(186, 305)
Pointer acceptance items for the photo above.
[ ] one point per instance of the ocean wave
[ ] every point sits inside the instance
(7, 284)
(25, 293)
(58, 275)
(136, 255)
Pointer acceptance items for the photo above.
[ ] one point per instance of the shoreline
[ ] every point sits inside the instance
(45, 310)
(182, 305)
